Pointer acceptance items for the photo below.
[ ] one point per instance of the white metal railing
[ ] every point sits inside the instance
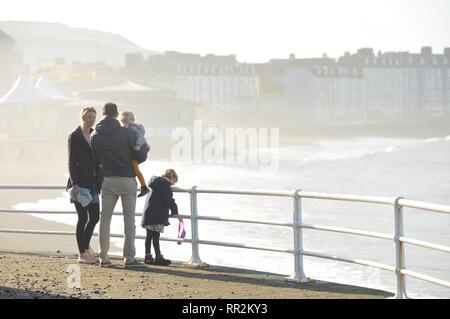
(398, 203)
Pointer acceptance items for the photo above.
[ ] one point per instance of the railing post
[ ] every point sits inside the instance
(299, 275)
(195, 259)
(399, 251)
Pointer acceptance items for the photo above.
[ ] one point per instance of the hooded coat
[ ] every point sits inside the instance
(158, 203)
(113, 146)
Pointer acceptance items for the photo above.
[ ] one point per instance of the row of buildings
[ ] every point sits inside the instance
(368, 88)
(360, 88)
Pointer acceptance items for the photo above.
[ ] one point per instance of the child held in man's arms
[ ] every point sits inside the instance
(127, 119)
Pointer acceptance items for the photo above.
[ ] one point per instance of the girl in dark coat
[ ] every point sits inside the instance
(156, 214)
(84, 177)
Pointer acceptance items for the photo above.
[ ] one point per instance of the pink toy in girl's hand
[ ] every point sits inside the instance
(181, 232)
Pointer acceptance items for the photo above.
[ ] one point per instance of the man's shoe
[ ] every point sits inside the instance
(132, 263)
(105, 263)
(161, 261)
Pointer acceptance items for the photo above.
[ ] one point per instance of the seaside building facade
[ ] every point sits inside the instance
(364, 88)
(217, 81)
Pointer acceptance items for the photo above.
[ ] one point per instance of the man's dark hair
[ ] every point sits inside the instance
(110, 109)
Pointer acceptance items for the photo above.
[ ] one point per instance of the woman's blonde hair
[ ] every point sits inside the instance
(127, 117)
(85, 110)
(170, 173)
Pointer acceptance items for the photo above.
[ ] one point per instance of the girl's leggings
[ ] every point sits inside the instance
(148, 242)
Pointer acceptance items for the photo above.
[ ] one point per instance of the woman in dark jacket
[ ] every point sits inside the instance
(156, 214)
(84, 178)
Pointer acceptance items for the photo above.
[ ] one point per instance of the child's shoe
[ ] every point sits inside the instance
(149, 259)
(161, 261)
(144, 191)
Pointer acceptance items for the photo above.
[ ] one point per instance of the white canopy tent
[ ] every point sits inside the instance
(46, 87)
(23, 92)
(34, 114)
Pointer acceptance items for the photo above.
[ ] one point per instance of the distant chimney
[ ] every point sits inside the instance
(447, 52)
(292, 56)
(366, 51)
(426, 51)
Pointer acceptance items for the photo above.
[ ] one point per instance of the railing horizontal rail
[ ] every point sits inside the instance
(181, 190)
(425, 244)
(349, 231)
(350, 198)
(303, 194)
(248, 221)
(38, 212)
(33, 187)
(63, 212)
(62, 187)
(36, 232)
(237, 245)
(71, 233)
(306, 253)
(425, 206)
(425, 278)
(246, 192)
(349, 260)
(213, 218)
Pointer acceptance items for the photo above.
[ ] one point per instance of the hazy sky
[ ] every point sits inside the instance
(254, 30)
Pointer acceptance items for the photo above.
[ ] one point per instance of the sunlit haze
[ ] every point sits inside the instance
(253, 30)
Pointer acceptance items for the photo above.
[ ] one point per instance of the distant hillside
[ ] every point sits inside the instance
(42, 42)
